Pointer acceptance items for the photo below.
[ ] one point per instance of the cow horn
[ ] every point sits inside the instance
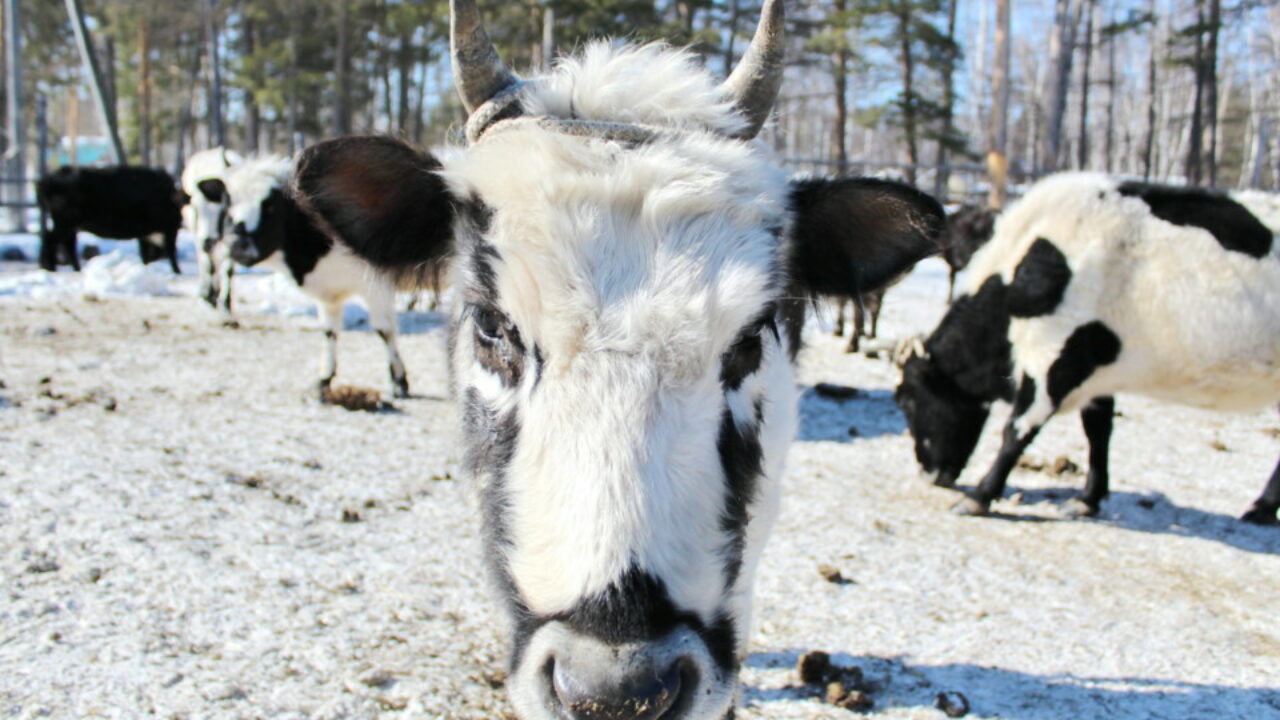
(754, 83)
(478, 71)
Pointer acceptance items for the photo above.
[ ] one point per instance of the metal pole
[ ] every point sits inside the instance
(95, 78)
(16, 156)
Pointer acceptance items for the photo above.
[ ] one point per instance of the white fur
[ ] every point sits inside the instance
(201, 218)
(633, 269)
(1199, 324)
(249, 184)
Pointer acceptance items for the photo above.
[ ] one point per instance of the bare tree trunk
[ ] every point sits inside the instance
(840, 73)
(1195, 145)
(404, 69)
(548, 49)
(95, 77)
(908, 90)
(184, 117)
(107, 62)
(1109, 149)
(1061, 48)
(16, 152)
(291, 82)
(217, 130)
(144, 91)
(1149, 141)
(1082, 156)
(943, 173)
(1211, 91)
(342, 74)
(735, 12)
(252, 115)
(997, 159)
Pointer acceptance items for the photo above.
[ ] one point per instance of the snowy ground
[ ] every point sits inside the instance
(184, 534)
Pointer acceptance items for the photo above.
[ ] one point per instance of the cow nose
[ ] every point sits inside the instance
(240, 229)
(645, 694)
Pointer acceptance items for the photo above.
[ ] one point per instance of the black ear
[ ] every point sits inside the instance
(380, 197)
(213, 189)
(853, 235)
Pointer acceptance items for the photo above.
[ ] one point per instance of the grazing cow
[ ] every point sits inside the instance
(967, 229)
(268, 228)
(116, 203)
(1090, 287)
(630, 271)
(204, 181)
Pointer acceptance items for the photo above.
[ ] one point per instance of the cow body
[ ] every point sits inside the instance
(630, 273)
(204, 182)
(115, 203)
(269, 229)
(1093, 287)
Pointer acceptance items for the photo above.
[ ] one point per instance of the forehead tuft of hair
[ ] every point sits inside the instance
(255, 178)
(650, 84)
(206, 165)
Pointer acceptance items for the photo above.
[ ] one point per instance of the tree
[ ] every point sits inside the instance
(997, 155)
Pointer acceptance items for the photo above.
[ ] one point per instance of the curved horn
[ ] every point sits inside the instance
(478, 72)
(754, 83)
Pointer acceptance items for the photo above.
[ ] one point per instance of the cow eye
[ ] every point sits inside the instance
(489, 324)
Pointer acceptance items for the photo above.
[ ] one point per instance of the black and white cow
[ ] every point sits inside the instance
(1093, 287)
(116, 203)
(629, 269)
(204, 182)
(268, 228)
(967, 229)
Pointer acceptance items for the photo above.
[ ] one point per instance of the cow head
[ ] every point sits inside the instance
(259, 209)
(625, 257)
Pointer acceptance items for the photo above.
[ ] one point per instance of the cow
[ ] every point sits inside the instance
(1090, 287)
(630, 274)
(115, 203)
(266, 227)
(968, 228)
(204, 182)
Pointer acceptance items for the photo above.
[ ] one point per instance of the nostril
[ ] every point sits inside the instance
(644, 695)
(240, 229)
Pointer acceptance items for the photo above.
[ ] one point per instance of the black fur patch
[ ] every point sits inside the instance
(740, 459)
(740, 360)
(382, 198)
(853, 235)
(1090, 347)
(499, 347)
(213, 189)
(1234, 227)
(1039, 282)
(945, 421)
(971, 344)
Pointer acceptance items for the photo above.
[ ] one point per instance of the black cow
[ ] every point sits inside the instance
(116, 203)
(967, 229)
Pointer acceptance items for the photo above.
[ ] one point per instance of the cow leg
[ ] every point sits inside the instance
(208, 289)
(951, 284)
(859, 322)
(49, 250)
(382, 316)
(875, 300)
(1264, 508)
(68, 245)
(839, 329)
(171, 249)
(1098, 420)
(1024, 424)
(228, 269)
(331, 317)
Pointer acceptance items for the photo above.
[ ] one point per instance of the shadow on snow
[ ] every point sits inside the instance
(868, 414)
(996, 692)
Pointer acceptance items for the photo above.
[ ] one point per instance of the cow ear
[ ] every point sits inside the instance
(854, 235)
(380, 197)
(213, 189)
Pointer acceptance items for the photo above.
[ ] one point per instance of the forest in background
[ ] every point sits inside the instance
(1171, 90)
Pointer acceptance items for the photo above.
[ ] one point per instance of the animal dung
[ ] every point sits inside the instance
(952, 703)
(842, 686)
(832, 575)
(355, 398)
(1064, 466)
(814, 667)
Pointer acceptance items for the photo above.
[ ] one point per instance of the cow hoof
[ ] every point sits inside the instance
(231, 324)
(1075, 508)
(401, 391)
(969, 507)
(1257, 516)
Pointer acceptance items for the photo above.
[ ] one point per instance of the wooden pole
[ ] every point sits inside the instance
(997, 158)
(95, 78)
